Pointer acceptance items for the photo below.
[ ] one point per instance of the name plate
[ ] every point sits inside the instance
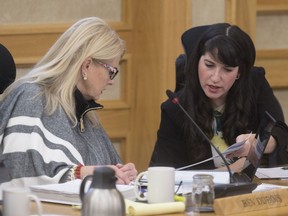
(251, 202)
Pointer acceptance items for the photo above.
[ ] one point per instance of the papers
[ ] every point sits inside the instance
(266, 187)
(234, 147)
(68, 193)
(272, 173)
(230, 149)
(184, 179)
(186, 176)
(219, 177)
(137, 208)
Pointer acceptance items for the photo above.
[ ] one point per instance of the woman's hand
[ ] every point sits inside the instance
(86, 170)
(237, 166)
(249, 145)
(128, 171)
(244, 151)
(125, 173)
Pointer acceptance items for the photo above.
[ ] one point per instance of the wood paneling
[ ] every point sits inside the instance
(157, 28)
(275, 63)
(28, 42)
(270, 6)
(243, 13)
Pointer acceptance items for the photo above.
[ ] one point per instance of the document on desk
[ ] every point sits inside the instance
(138, 208)
(272, 173)
(219, 177)
(186, 176)
(68, 193)
(265, 187)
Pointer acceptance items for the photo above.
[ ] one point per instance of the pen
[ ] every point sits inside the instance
(180, 184)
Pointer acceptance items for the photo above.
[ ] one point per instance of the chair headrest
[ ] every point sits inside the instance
(191, 37)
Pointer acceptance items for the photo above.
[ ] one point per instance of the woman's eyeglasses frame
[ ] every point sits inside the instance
(113, 71)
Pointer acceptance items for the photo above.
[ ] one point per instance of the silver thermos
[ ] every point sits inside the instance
(102, 198)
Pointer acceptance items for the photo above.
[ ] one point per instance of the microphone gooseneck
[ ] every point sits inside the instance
(175, 100)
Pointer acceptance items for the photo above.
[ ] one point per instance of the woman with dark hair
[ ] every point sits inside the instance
(225, 95)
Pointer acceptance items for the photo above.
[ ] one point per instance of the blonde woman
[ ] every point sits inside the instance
(49, 131)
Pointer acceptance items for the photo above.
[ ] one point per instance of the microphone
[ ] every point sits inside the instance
(175, 100)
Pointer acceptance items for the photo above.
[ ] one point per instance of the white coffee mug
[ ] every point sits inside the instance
(160, 185)
(16, 201)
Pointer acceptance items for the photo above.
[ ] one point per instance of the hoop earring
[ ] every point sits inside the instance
(238, 76)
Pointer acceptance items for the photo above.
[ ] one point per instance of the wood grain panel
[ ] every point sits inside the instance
(157, 28)
(243, 14)
(116, 122)
(275, 63)
(271, 6)
(27, 49)
(117, 125)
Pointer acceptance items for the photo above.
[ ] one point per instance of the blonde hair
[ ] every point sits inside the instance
(59, 70)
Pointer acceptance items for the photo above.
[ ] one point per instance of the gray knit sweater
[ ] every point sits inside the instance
(40, 149)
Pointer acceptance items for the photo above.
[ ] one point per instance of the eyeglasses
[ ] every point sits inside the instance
(113, 71)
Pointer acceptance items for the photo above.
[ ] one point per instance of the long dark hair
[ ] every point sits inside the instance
(233, 47)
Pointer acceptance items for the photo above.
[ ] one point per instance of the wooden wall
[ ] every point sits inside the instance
(244, 13)
(157, 28)
(152, 31)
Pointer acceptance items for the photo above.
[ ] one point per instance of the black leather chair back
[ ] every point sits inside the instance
(7, 68)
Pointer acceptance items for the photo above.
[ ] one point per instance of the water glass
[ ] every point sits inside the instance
(203, 192)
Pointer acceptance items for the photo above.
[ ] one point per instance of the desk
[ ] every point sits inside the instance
(49, 208)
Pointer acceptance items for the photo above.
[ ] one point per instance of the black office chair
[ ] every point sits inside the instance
(189, 41)
(7, 76)
(180, 72)
(7, 68)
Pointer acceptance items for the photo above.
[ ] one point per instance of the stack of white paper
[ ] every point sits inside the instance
(68, 193)
(272, 173)
(219, 177)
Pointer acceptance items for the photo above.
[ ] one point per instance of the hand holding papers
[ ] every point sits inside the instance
(230, 149)
(234, 147)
